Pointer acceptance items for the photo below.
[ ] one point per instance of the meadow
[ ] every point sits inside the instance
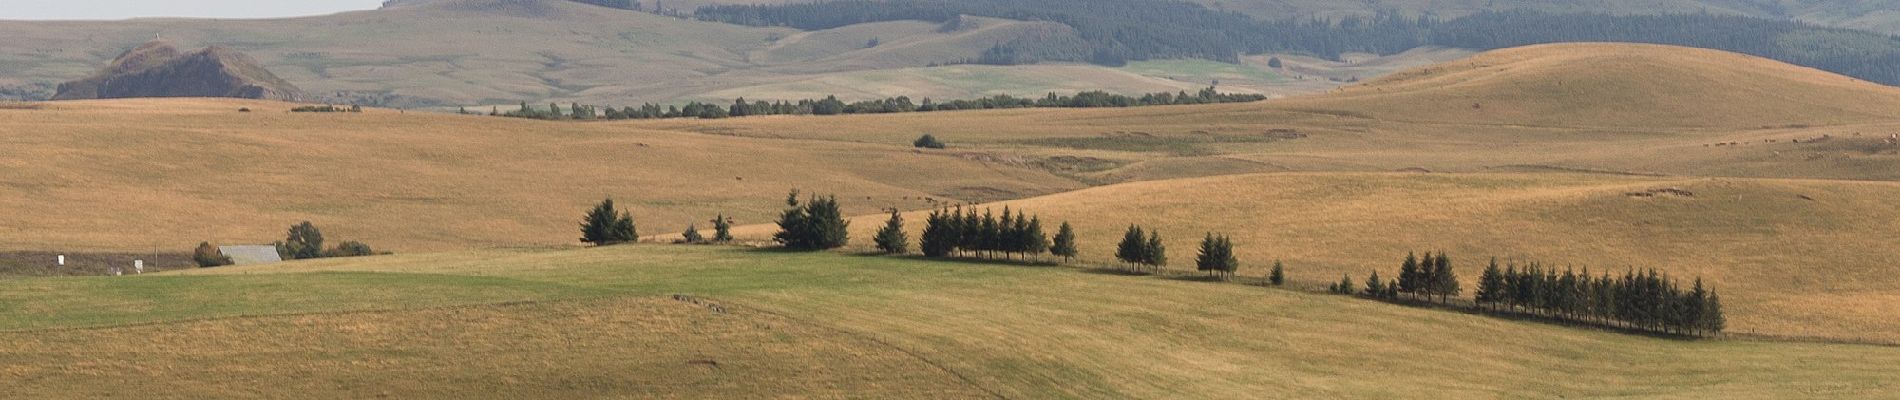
(1769, 181)
(510, 323)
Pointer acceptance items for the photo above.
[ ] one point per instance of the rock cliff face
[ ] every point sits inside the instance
(158, 69)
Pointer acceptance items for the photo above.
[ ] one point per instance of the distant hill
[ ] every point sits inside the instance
(443, 53)
(1872, 15)
(158, 69)
(1594, 84)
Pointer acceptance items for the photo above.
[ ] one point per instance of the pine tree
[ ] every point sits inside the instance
(1444, 281)
(817, 225)
(1278, 276)
(1409, 274)
(987, 233)
(1345, 285)
(1034, 241)
(1134, 244)
(1155, 252)
(1229, 263)
(1064, 243)
(1712, 320)
(722, 229)
(1216, 256)
(891, 239)
(1375, 287)
(691, 235)
(606, 226)
(1490, 285)
(1204, 260)
(940, 234)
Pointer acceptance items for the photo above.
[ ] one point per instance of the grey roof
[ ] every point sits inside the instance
(247, 255)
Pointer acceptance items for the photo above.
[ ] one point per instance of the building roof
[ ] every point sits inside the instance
(247, 255)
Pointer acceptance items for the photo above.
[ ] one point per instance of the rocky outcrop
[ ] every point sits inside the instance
(158, 69)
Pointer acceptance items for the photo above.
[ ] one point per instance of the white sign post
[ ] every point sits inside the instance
(62, 260)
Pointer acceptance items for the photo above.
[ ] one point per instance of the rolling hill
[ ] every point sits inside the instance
(444, 53)
(725, 322)
(1871, 15)
(157, 69)
(1793, 258)
(1617, 108)
(144, 174)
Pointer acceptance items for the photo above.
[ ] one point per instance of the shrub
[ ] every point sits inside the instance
(927, 142)
(350, 249)
(209, 256)
(303, 241)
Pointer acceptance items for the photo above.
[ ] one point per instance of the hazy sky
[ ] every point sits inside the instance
(123, 9)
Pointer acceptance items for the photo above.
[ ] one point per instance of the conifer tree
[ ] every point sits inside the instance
(1278, 276)
(816, 225)
(1034, 241)
(1345, 285)
(1064, 243)
(605, 225)
(691, 235)
(1375, 287)
(891, 239)
(1155, 252)
(1409, 274)
(1490, 285)
(722, 229)
(1712, 320)
(1444, 281)
(940, 234)
(1204, 260)
(1229, 263)
(1134, 244)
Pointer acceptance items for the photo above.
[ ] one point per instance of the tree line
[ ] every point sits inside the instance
(959, 232)
(830, 105)
(1113, 32)
(1646, 301)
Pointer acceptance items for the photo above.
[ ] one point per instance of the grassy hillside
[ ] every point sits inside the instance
(1583, 107)
(1620, 85)
(601, 322)
(453, 52)
(145, 174)
(1792, 258)
(1872, 15)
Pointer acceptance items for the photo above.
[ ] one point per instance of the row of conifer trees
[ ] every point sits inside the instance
(1645, 301)
(960, 232)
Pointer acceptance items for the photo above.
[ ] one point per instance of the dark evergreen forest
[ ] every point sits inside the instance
(1117, 31)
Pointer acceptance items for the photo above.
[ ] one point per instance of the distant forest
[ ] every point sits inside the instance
(1118, 31)
(830, 105)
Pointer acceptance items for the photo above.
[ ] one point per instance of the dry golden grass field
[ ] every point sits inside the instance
(1788, 213)
(603, 323)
